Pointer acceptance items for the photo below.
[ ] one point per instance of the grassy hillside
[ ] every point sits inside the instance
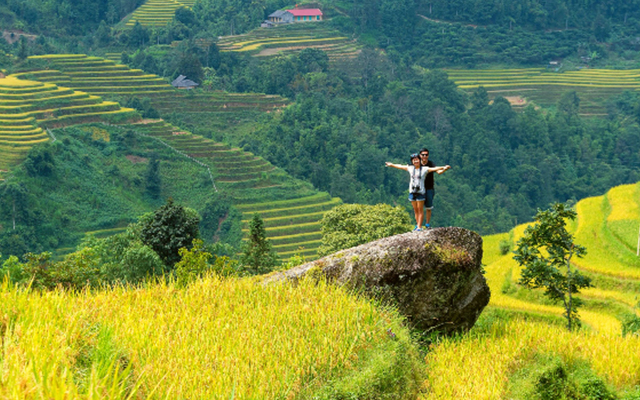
(249, 181)
(26, 107)
(544, 87)
(292, 209)
(520, 328)
(217, 339)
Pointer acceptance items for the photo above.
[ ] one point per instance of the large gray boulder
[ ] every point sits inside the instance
(434, 277)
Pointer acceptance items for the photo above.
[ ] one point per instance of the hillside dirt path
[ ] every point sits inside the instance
(440, 21)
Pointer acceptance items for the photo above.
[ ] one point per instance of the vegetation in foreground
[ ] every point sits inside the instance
(318, 341)
(216, 339)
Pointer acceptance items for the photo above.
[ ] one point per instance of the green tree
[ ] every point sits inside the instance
(139, 35)
(193, 263)
(258, 257)
(569, 103)
(190, 66)
(153, 178)
(168, 229)
(350, 225)
(13, 200)
(103, 34)
(545, 251)
(40, 161)
(23, 51)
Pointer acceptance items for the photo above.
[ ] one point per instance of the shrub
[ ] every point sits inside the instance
(631, 326)
(193, 263)
(505, 247)
(350, 225)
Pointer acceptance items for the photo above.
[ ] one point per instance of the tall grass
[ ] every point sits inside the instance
(478, 366)
(214, 340)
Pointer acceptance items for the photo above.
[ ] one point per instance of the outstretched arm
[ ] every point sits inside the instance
(440, 170)
(398, 166)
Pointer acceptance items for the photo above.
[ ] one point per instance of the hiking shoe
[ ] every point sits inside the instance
(427, 226)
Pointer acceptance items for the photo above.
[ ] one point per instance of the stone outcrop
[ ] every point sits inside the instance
(434, 277)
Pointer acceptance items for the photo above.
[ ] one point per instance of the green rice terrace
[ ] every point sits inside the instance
(98, 76)
(26, 107)
(156, 12)
(292, 222)
(543, 87)
(291, 38)
(102, 77)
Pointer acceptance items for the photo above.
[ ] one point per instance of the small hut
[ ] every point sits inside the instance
(182, 82)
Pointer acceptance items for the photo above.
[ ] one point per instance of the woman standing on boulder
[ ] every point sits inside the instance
(417, 191)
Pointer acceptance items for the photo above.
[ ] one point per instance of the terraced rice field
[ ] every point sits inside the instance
(155, 13)
(26, 107)
(247, 178)
(607, 226)
(292, 224)
(292, 38)
(106, 78)
(480, 366)
(208, 102)
(545, 88)
(99, 76)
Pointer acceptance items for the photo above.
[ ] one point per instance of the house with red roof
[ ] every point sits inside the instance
(294, 15)
(306, 14)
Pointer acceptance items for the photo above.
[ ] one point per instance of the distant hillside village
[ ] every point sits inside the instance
(291, 16)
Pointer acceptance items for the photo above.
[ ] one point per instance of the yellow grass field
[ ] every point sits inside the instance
(217, 339)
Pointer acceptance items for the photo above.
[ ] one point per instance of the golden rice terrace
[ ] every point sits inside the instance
(544, 87)
(26, 107)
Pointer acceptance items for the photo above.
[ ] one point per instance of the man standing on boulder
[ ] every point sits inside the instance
(428, 184)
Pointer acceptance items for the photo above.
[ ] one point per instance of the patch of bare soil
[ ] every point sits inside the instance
(516, 100)
(147, 121)
(13, 36)
(136, 159)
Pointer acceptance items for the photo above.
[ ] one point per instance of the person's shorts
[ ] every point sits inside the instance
(416, 196)
(428, 201)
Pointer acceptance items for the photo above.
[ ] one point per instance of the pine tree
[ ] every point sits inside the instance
(258, 257)
(153, 178)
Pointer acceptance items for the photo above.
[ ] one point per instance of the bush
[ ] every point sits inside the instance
(631, 326)
(549, 377)
(193, 263)
(505, 247)
(350, 225)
